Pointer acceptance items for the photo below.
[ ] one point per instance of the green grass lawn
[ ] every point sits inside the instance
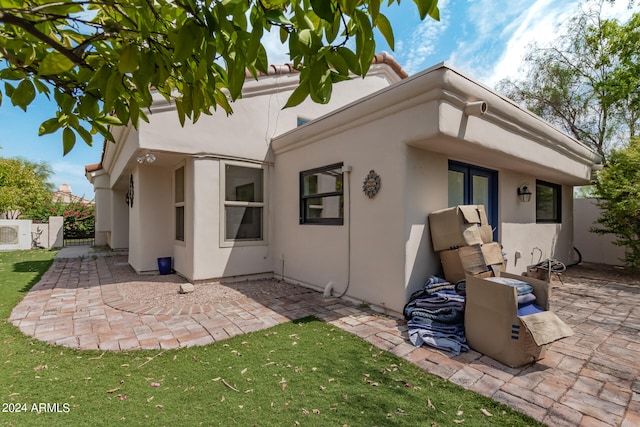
(304, 373)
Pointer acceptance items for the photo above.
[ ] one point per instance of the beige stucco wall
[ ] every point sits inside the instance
(103, 208)
(526, 242)
(256, 118)
(150, 228)
(426, 192)
(593, 247)
(369, 247)
(118, 236)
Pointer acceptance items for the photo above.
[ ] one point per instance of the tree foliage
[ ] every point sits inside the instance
(24, 186)
(99, 59)
(588, 81)
(618, 192)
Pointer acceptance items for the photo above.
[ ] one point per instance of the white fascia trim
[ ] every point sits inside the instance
(113, 150)
(438, 83)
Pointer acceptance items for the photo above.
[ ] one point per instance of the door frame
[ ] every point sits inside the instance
(469, 171)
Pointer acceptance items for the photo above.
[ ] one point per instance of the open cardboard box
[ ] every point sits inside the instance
(493, 327)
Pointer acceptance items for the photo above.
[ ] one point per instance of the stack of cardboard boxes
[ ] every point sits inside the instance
(493, 327)
(464, 238)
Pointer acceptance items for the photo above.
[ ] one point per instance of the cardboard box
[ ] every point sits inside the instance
(459, 226)
(476, 260)
(493, 327)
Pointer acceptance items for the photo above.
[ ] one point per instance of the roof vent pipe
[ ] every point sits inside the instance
(476, 108)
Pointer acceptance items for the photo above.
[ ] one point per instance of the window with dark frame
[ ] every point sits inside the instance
(322, 195)
(178, 200)
(548, 202)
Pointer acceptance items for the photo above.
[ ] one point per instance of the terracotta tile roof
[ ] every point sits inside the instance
(379, 58)
(93, 167)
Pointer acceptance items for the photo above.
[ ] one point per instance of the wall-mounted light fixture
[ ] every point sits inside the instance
(523, 193)
(146, 158)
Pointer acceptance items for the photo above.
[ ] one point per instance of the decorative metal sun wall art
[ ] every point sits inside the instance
(371, 184)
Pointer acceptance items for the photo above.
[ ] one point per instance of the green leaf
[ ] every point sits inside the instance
(221, 100)
(188, 39)
(309, 42)
(102, 130)
(384, 26)
(365, 44)
(324, 9)
(24, 94)
(181, 113)
(113, 89)
(331, 30)
(9, 89)
(262, 62)
(55, 63)
(338, 63)
(428, 7)
(109, 120)
(49, 126)
(134, 112)
(298, 95)
(85, 135)
(374, 10)
(320, 82)
(350, 58)
(284, 34)
(88, 106)
(129, 59)
(68, 140)
(41, 87)
(277, 16)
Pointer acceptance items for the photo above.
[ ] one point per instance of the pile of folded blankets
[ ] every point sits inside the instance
(435, 316)
(526, 299)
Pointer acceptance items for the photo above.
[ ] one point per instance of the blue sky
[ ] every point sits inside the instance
(485, 39)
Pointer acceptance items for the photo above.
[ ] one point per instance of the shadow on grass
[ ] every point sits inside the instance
(39, 267)
(308, 319)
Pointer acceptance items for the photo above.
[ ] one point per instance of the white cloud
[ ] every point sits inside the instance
(503, 33)
(424, 40)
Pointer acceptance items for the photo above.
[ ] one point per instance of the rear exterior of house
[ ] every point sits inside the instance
(337, 196)
(203, 194)
(436, 139)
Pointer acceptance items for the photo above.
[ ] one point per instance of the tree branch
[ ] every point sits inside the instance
(30, 28)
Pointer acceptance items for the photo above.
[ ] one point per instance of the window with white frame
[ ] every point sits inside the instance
(178, 200)
(243, 195)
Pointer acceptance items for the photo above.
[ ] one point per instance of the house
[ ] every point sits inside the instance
(64, 194)
(168, 191)
(340, 202)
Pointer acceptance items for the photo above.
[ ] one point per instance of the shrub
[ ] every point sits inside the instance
(79, 218)
(618, 192)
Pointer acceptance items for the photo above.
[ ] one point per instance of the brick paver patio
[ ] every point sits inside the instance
(589, 379)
